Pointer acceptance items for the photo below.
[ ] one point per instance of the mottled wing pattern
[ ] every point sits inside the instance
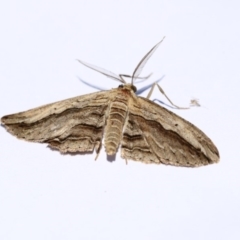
(134, 145)
(155, 135)
(72, 125)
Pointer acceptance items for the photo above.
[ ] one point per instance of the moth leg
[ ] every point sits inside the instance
(97, 156)
(98, 150)
(161, 90)
(151, 90)
(192, 103)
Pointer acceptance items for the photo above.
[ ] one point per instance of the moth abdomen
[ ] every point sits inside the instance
(114, 128)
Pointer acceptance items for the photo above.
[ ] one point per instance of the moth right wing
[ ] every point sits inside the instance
(155, 135)
(71, 125)
(134, 145)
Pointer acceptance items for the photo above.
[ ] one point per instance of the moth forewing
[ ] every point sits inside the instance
(154, 134)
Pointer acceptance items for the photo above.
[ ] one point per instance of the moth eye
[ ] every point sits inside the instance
(133, 88)
(120, 86)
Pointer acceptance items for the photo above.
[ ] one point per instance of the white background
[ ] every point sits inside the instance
(46, 195)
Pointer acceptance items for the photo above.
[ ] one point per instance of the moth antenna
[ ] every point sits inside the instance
(144, 60)
(130, 76)
(142, 79)
(102, 71)
(121, 76)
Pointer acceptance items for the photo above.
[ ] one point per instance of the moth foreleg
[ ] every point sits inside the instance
(192, 103)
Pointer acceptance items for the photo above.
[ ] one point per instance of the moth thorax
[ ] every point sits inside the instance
(114, 127)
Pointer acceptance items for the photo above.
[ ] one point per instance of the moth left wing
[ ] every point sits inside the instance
(155, 135)
(71, 125)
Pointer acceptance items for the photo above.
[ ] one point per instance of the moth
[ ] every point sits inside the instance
(145, 131)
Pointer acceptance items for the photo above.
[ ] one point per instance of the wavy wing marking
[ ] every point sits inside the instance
(72, 125)
(134, 145)
(155, 135)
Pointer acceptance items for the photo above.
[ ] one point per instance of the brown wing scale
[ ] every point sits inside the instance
(72, 125)
(155, 135)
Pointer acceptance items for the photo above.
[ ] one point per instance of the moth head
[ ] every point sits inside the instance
(128, 86)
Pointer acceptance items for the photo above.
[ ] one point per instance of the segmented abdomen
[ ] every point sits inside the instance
(116, 120)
